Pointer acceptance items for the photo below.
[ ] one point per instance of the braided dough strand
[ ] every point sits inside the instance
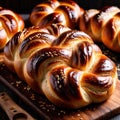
(53, 11)
(103, 26)
(10, 23)
(64, 65)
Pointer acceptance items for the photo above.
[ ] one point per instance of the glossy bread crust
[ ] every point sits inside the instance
(10, 23)
(65, 12)
(103, 26)
(63, 64)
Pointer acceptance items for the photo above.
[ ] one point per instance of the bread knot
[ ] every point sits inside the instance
(63, 64)
(65, 12)
(10, 23)
(103, 26)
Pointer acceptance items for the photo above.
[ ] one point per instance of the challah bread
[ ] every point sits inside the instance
(10, 23)
(63, 64)
(103, 25)
(65, 12)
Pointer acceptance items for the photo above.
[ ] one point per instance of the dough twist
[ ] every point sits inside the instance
(66, 12)
(63, 64)
(103, 26)
(10, 23)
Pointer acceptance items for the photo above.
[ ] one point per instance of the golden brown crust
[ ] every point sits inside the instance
(66, 66)
(103, 25)
(10, 23)
(65, 12)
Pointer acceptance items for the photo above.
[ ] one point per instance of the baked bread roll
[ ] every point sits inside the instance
(63, 64)
(103, 26)
(65, 12)
(10, 23)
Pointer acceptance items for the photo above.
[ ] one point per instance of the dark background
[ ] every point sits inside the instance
(25, 6)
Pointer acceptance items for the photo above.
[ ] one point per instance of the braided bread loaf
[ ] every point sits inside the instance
(66, 12)
(10, 23)
(63, 64)
(103, 25)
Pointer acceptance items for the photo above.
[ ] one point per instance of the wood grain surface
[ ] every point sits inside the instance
(47, 110)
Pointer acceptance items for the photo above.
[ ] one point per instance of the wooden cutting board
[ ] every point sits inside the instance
(47, 110)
